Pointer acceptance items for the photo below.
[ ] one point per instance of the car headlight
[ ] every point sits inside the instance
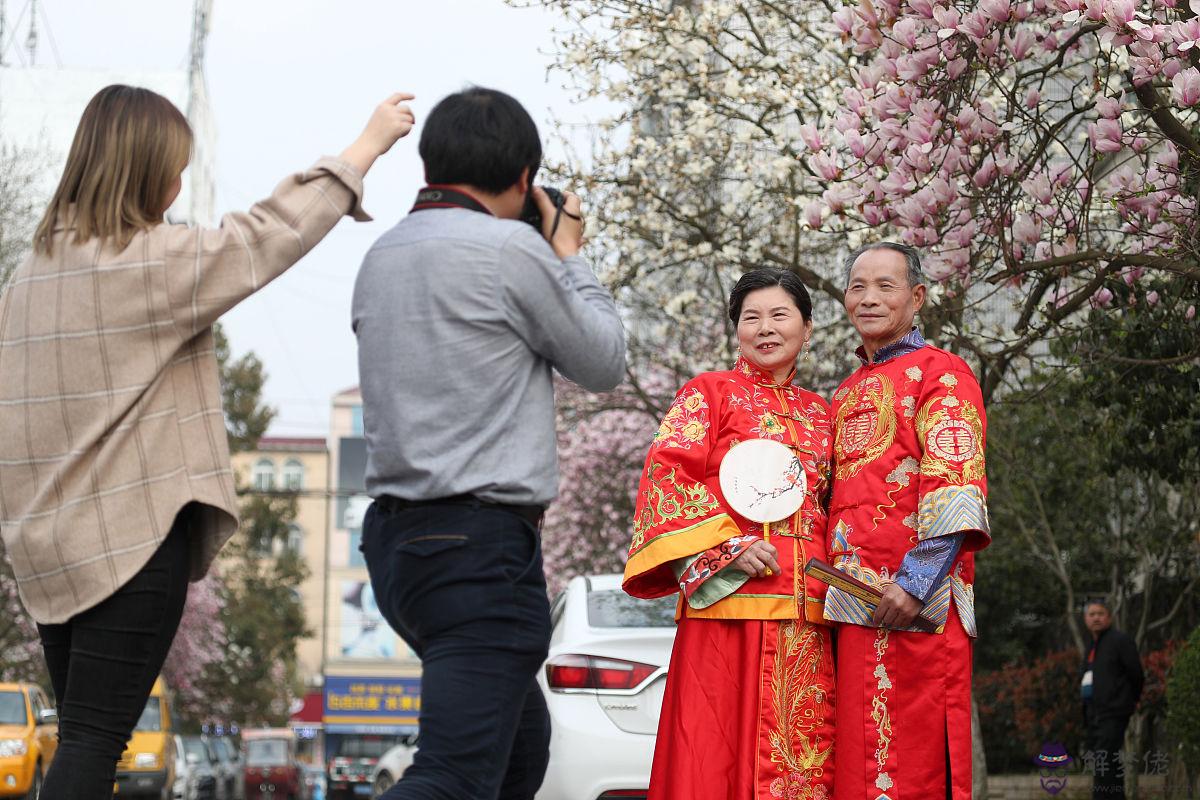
(13, 747)
(145, 761)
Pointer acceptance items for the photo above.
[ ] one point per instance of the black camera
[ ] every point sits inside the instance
(533, 215)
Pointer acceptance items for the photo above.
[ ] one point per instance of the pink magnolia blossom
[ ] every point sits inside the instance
(843, 18)
(1152, 298)
(1190, 313)
(810, 137)
(825, 166)
(813, 214)
(1119, 13)
(836, 197)
(905, 31)
(1038, 187)
(946, 18)
(1020, 42)
(924, 8)
(974, 25)
(1027, 229)
(996, 10)
(1185, 88)
(1109, 107)
(1105, 135)
(1101, 299)
(1132, 275)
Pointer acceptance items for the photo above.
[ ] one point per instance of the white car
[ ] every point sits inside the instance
(604, 681)
(391, 766)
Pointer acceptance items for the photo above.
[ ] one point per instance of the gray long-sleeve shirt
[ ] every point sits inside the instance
(460, 317)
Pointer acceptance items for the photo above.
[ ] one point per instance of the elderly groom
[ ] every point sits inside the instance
(907, 513)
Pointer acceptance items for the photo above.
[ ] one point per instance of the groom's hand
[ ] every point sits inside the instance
(897, 609)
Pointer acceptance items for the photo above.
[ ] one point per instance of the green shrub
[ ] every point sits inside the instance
(1183, 703)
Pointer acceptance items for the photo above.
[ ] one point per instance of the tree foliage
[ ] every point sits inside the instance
(263, 617)
(20, 204)
(1183, 702)
(234, 659)
(20, 648)
(242, 381)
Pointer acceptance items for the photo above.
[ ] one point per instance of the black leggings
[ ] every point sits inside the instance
(103, 663)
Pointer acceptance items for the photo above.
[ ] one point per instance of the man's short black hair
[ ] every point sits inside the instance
(480, 137)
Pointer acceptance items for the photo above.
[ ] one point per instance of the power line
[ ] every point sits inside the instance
(50, 35)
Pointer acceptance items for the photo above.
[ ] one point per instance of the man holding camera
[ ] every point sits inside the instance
(461, 311)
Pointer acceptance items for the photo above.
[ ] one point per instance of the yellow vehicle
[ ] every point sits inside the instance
(147, 767)
(28, 738)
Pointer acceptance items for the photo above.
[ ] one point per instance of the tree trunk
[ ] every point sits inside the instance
(978, 757)
(1134, 736)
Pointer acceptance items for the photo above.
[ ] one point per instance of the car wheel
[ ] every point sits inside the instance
(35, 788)
(383, 782)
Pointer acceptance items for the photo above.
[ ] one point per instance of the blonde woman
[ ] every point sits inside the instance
(115, 486)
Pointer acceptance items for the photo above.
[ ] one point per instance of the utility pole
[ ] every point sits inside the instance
(32, 40)
(200, 117)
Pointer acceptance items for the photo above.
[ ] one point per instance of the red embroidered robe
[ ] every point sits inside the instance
(908, 466)
(749, 701)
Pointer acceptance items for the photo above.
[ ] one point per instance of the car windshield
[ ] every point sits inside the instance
(195, 747)
(225, 749)
(615, 609)
(266, 752)
(151, 719)
(366, 747)
(12, 709)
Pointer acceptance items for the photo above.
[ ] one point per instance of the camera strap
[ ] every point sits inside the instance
(444, 197)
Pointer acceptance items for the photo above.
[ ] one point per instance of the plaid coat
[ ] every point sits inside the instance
(110, 405)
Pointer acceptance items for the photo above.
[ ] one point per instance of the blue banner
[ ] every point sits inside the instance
(374, 701)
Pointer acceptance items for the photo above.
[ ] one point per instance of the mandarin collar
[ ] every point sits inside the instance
(910, 342)
(761, 376)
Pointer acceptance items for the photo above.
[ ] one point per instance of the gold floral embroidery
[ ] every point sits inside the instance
(799, 703)
(685, 423)
(769, 426)
(865, 425)
(665, 500)
(880, 714)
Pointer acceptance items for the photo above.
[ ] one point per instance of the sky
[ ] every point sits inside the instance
(291, 80)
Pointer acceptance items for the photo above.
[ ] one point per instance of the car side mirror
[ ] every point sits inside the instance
(48, 716)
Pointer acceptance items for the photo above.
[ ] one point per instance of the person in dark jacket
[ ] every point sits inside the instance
(1111, 684)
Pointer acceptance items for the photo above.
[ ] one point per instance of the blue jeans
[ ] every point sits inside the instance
(463, 585)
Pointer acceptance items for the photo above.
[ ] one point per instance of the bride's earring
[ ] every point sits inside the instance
(806, 350)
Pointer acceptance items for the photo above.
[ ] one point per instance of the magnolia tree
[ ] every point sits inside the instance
(1047, 151)
(1042, 153)
(697, 176)
(199, 642)
(20, 650)
(602, 442)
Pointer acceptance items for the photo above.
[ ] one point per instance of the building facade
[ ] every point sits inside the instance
(372, 678)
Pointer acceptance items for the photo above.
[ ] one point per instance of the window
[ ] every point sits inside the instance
(295, 540)
(264, 475)
(151, 719)
(266, 752)
(356, 421)
(293, 475)
(615, 609)
(12, 708)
